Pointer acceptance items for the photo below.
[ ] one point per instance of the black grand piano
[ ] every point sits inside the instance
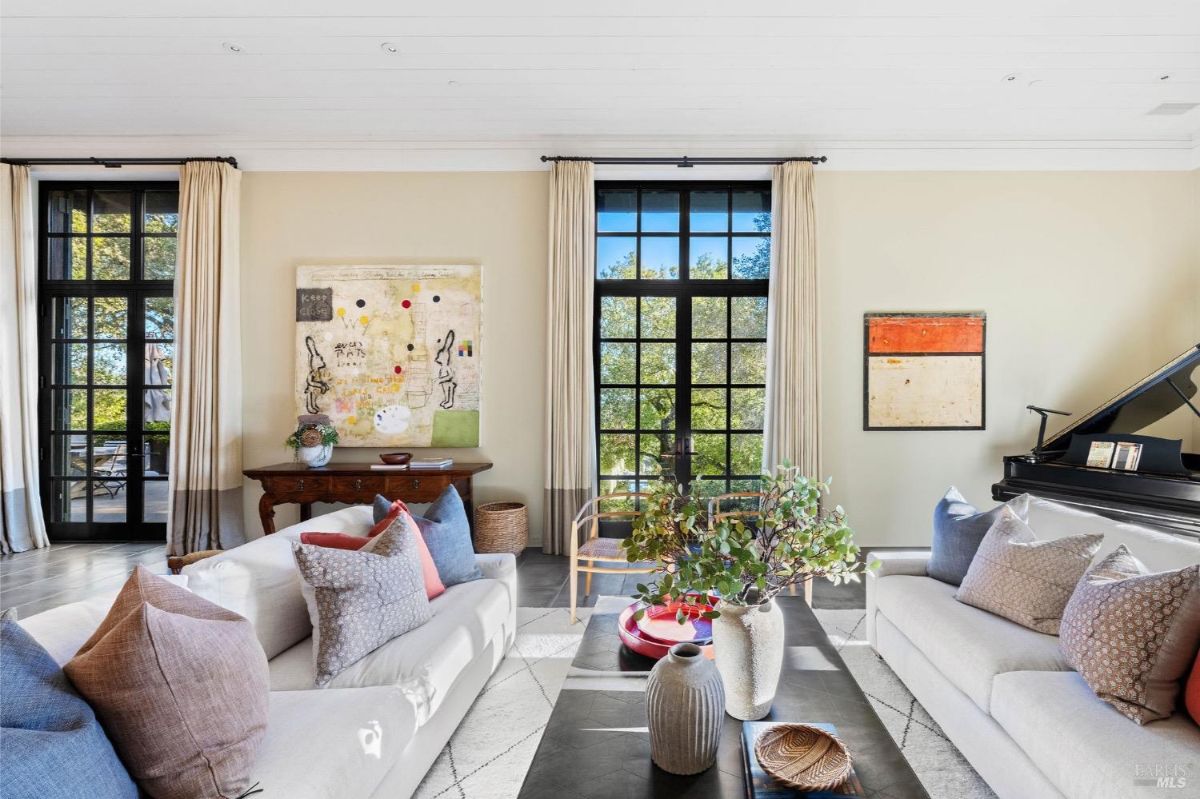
(1163, 491)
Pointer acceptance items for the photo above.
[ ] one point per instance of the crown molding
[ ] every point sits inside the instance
(372, 155)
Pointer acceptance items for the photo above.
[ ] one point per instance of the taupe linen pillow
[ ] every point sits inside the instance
(361, 599)
(1025, 580)
(1132, 635)
(180, 686)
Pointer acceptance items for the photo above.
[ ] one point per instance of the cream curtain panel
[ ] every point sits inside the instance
(20, 504)
(206, 424)
(570, 433)
(792, 428)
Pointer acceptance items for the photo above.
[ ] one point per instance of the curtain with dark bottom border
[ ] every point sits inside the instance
(570, 430)
(792, 429)
(24, 527)
(206, 426)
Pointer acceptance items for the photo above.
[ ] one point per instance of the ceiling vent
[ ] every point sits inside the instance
(1171, 109)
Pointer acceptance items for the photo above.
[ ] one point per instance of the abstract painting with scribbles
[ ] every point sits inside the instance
(391, 354)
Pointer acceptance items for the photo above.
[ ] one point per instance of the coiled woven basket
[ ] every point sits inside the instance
(501, 527)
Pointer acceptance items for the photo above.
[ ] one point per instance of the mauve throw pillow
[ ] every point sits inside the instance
(1025, 580)
(447, 533)
(958, 529)
(180, 685)
(1132, 635)
(360, 600)
(51, 745)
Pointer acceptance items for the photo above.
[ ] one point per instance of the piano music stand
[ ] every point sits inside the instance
(1044, 413)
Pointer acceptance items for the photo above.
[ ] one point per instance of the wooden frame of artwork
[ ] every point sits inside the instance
(391, 354)
(924, 371)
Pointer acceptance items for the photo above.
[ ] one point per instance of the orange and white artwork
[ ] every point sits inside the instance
(924, 371)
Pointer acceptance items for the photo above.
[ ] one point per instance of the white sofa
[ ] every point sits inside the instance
(380, 725)
(1005, 695)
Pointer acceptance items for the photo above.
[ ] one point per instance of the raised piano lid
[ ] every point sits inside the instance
(1142, 404)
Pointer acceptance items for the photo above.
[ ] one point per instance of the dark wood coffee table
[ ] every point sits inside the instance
(596, 745)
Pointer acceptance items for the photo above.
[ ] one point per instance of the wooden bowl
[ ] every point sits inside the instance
(803, 757)
(396, 458)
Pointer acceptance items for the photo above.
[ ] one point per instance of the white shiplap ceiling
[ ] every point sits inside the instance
(478, 85)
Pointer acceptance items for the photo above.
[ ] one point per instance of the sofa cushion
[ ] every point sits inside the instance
(969, 646)
(332, 744)
(958, 529)
(360, 600)
(180, 685)
(423, 663)
(259, 580)
(1158, 549)
(1024, 579)
(1133, 635)
(447, 532)
(51, 744)
(1085, 747)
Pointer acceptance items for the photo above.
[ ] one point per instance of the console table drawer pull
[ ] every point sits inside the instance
(358, 485)
(416, 483)
(300, 486)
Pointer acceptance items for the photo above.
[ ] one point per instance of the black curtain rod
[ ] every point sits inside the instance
(113, 163)
(685, 162)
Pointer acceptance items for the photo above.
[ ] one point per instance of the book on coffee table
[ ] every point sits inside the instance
(761, 785)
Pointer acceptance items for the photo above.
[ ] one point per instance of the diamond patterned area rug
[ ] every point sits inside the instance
(490, 752)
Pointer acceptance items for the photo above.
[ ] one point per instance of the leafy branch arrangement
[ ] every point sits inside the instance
(747, 559)
(312, 435)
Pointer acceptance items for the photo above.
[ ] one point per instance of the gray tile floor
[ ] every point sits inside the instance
(45, 578)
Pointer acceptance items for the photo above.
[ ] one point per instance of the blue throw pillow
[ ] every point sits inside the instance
(51, 745)
(958, 529)
(447, 534)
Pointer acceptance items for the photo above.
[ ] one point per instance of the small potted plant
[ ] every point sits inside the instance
(313, 440)
(746, 560)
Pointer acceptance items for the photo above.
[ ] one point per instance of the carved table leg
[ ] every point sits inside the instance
(266, 512)
(305, 511)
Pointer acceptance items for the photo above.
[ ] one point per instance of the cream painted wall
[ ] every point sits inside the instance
(1089, 280)
(497, 219)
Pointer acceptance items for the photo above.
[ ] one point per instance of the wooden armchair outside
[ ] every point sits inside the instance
(716, 513)
(601, 555)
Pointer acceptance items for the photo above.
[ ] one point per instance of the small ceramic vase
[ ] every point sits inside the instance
(685, 706)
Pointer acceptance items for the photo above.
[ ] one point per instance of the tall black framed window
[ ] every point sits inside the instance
(106, 260)
(682, 272)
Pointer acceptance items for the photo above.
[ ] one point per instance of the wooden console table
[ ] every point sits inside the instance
(356, 484)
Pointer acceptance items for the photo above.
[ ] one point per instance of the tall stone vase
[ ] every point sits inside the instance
(748, 642)
(685, 706)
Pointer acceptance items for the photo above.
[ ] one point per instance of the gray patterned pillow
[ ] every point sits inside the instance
(1132, 635)
(362, 598)
(1025, 580)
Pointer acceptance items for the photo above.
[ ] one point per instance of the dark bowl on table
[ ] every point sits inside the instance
(396, 458)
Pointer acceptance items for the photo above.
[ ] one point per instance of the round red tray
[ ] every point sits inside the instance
(657, 631)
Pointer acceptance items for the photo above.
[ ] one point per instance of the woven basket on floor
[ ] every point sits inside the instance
(501, 527)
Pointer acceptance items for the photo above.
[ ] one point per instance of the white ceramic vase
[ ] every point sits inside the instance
(685, 708)
(748, 641)
(315, 457)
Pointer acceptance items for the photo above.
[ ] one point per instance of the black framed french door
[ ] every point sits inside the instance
(107, 339)
(682, 274)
